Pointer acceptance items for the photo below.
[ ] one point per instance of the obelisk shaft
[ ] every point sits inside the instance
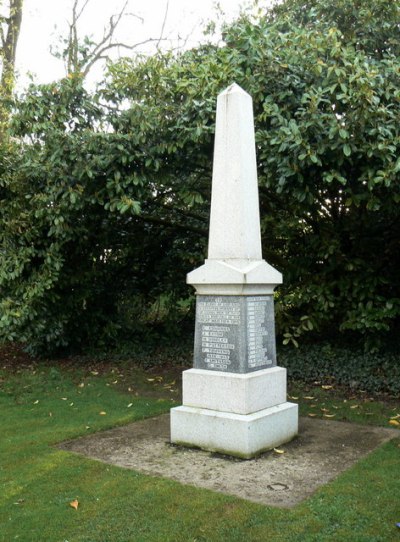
(235, 218)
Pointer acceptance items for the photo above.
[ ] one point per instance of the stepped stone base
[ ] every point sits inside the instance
(240, 435)
(234, 392)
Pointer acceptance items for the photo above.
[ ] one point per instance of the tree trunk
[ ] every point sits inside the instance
(8, 54)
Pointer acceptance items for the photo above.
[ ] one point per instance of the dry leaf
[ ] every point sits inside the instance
(354, 406)
(74, 504)
(150, 379)
(36, 402)
(395, 423)
(309, 397)
(395, 417)
(81, 385)
(130, 404)
(293, 397)
(326, 387)
(102, 413)
(329, 415)
(312, 414)
(279, 451)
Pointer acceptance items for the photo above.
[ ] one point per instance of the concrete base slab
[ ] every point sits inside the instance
(234, 392)
(239, 435)
(322, 450)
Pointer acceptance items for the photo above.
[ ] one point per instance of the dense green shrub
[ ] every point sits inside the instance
(105, 197)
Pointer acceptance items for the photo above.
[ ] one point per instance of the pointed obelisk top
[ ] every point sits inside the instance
(234, 87)
(235, 218)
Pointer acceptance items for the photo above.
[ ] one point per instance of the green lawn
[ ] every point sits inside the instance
(41, 406)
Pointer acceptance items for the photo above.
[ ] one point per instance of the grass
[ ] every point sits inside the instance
(329, 402)
(42, 405)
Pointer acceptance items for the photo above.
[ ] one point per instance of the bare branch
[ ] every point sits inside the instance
(82, 8)
(163, 25)
(81, 56)
(100, 54)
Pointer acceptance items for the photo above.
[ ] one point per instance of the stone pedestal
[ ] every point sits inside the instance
(236, 414)
(234, 399)
(240, 413)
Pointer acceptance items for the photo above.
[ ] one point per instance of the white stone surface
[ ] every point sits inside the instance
(233, 392)
(239, 435)
(234, 277)
(235, 216)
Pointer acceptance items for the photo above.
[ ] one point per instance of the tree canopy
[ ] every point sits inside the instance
(105, 195)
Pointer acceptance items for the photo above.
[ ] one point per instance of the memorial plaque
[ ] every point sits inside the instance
(234, 333)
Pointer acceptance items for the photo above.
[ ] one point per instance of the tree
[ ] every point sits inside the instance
(105, 208)
(10, 25)
(80, 54)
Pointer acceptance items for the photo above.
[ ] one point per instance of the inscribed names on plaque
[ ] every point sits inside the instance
(219, 319)
(260, 332)
(234, 333)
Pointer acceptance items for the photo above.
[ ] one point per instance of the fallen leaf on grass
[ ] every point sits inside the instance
(354, 406)
(279, 451)
(102, 413)
(326, 387)
(150, 379)
(293, 397)
(309, 397)
(312, 414)
(395, 423)
(329, 415)
(130, 404)
(74, 504)
(36, 402)
(395, 417)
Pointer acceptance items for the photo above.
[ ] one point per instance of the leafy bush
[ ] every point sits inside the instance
(104, 197)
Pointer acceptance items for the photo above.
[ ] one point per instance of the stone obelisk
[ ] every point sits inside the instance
(234, 399)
